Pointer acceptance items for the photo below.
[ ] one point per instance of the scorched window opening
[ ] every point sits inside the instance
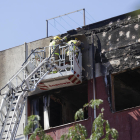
(60, 105)
(126, 89)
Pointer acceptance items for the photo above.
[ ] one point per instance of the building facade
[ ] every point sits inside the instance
(110, 70)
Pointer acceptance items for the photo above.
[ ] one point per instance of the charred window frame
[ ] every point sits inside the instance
(125, 90)
(109, 90)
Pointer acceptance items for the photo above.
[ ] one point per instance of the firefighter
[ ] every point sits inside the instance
(76, 43)
(53, 42)
(56, 41)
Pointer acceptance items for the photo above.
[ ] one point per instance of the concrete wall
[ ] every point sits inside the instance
(11, 61)
(31, 46)
(39, 43)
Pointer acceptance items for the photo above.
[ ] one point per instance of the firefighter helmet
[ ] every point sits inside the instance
(56, 37)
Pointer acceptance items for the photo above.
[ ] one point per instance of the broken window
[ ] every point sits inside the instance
(57, 107)
(126, 90)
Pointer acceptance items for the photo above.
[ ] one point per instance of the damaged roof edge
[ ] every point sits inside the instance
(106, 25)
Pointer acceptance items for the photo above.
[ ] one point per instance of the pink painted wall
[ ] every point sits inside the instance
(127, 122)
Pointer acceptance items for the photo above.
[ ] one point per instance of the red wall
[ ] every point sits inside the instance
(57, 132)
(127, 122)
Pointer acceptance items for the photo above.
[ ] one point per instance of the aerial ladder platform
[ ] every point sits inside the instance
(39, 71)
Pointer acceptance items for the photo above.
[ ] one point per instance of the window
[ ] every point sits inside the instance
(63, 104)
(126, 90)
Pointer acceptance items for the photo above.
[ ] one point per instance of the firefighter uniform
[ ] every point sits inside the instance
(55, 41)
(76, 43)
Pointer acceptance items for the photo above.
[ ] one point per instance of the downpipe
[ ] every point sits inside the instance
(93, 59)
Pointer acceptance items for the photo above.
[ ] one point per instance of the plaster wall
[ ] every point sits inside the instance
(126, 122)
(39, 43)
(29, 46)
(11, 61)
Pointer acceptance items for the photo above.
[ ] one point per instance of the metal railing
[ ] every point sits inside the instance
(26, 79)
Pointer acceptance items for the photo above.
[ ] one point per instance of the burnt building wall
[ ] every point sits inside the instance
(116, 41)
(118, 51)
(110, 46)
(116, 45)
(120, 47)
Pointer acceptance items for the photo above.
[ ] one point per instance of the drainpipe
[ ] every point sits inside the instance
(26, 111)
(93, 59)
